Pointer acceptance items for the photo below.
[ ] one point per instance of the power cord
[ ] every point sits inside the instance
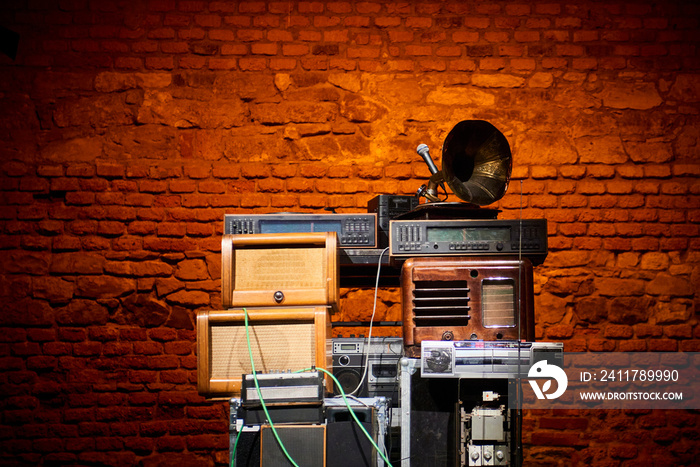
(371, 322)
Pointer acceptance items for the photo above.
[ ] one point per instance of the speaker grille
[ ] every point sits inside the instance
(305, 444)
(441, 302)
(281, 346)
(279, 269)
(498, 303)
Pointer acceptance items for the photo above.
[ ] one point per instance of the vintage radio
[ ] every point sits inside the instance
(466, 298)
(281, 339)
(354, 230)
(279, 270)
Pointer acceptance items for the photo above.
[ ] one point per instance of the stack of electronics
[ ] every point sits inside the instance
(267, 351)
(468, 308)
(444, 392)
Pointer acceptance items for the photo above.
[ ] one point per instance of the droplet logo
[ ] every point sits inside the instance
(541, 370)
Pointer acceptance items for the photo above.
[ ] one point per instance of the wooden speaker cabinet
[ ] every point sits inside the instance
(281, 338)
(463, 298)
(274, 270)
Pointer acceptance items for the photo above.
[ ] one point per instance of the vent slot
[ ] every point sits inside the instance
(437, 303)
(498, 303)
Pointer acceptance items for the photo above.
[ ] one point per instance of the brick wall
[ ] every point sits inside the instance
(129, 128)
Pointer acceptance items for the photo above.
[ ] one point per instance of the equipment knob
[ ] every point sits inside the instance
(500, 456)
(448, 336)
(487, 455)
(344, 360)
(278, 296)
(475, 455)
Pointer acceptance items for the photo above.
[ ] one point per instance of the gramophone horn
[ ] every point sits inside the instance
(476, 163)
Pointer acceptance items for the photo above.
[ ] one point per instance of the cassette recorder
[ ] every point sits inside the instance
(382, 379)
(478, 359)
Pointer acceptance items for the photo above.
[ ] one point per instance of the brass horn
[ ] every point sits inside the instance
(476, 164)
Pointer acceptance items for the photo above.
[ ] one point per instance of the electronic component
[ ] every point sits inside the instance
(389, 207)
(484, 436)
(469, 237)
(466, 298)
(282, 338)
(354, 230)
(478, 359)
(281, 388)
(277, 270)
(382, 365)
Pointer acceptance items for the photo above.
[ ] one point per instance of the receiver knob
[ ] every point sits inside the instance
(278, 296)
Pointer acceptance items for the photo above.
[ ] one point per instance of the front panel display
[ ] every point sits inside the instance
(354, 230)
(469, 237)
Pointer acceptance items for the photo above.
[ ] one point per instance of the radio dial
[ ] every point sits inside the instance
(344, 360)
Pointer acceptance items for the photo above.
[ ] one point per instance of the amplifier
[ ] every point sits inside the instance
(479, 359)
(354, 230)
(283, 388)
(382, 371)
(474, 237)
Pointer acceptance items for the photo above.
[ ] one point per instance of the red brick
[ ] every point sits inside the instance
(546, 438)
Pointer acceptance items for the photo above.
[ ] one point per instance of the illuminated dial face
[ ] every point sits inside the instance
(466, 234)
(285, 226)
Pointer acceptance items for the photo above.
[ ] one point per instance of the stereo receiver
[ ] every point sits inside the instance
(409, 238)
(354, 230)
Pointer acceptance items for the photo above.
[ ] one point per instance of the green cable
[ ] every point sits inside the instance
(267, 414)
(235, 446)
(352, 412)
(257, 387)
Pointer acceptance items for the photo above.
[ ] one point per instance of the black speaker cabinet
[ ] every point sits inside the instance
(306, 444)
(347, 444)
